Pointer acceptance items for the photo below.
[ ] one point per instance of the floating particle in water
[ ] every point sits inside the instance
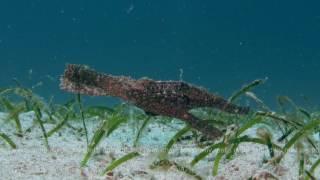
(37, 85)
(130, 9)
(181, 74)
(75, 20)
(50, 77)
(30, 72)
(61, 11)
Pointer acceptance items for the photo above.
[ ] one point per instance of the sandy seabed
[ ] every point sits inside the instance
(31, 160)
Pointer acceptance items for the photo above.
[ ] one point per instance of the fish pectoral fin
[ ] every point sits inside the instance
(203, 126)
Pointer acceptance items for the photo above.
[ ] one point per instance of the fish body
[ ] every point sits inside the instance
(166, 98)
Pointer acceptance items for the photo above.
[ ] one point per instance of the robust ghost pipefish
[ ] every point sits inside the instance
(166, 98)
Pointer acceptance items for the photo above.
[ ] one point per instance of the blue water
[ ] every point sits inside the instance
(220, 45)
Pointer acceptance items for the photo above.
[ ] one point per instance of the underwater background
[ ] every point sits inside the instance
(220, 45)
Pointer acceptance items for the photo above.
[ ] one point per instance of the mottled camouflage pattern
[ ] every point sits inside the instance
(167, 98)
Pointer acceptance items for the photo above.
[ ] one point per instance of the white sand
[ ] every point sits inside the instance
(32, 161)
